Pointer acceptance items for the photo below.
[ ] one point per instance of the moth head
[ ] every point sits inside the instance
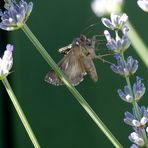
(84, 41)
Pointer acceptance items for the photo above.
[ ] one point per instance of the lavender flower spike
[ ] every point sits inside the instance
(6, 61)
(15, 15)
(116, 22)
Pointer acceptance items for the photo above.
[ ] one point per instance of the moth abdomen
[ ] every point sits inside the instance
(90, 68)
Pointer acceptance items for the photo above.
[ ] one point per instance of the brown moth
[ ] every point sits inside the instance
(77, 62)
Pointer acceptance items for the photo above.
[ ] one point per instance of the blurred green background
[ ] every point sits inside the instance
(55, 116)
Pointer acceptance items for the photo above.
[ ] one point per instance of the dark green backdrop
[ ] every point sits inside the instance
(55, 117)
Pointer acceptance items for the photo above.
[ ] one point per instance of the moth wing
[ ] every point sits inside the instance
(66, 49)
(89, 67)
(72, 68)
(52, 78)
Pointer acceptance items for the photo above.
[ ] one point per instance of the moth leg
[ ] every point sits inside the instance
(103, 60)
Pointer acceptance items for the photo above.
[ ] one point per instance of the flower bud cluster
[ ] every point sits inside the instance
(126, 68)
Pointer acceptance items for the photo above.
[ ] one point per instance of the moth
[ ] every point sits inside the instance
(77, 62)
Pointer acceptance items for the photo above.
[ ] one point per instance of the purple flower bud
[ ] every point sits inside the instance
(138, 89)
(125, 95)
(136, 138)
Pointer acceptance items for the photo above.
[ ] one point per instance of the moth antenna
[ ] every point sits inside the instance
(87, 28)
(99, 35)
(99, 42)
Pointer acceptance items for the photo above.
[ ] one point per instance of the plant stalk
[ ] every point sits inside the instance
(20, 113)
(70, 87)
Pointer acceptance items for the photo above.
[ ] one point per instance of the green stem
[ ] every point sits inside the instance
(134, 103)
(70, 87)
(138, 44)
(20, 113)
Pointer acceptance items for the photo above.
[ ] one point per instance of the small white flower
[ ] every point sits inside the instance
(6, 61)
(116, 22)
(104, 7)
(143, 4)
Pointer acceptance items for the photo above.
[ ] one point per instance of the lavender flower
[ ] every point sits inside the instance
(138, 122)
(136, 137)
(126, 68)
(116, 22)
(118, 44)
(134, 146)
(125, 95)
(138, 89)
(131, 65)
(6, 61)
(131, 120)
(15, 15)
(104, 7)
(143, 4)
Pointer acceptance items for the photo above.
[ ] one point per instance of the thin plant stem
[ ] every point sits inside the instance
(70, 87)
(134, 103)
(20, 113)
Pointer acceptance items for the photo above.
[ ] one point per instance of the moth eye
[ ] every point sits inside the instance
(88, 43)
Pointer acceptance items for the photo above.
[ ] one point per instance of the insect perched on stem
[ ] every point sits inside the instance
(77, 62)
